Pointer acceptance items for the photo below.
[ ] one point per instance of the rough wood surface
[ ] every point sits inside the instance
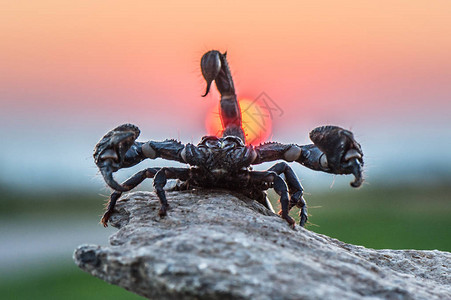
(216, 245)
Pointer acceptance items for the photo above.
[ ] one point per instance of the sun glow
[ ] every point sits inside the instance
(256, 120)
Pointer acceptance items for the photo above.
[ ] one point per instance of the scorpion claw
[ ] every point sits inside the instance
(107, 173)
(356, 167)
(343, 155)
(110, 151)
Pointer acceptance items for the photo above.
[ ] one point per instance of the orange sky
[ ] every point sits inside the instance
(71, 70)
(322, 61)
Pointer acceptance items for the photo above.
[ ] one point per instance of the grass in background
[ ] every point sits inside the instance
(16, 204)
(397, 218)
(409, 217)
(66, 282)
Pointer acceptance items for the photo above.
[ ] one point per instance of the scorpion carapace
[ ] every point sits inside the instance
(225, 162)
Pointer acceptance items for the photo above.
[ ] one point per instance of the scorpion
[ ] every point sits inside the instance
(226, 162)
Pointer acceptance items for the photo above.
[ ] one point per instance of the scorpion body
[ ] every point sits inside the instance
(225, 162)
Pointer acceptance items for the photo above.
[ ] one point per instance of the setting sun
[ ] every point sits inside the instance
(256, 122)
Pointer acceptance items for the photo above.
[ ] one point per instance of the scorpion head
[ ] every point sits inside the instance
(109, 153)
(226, 143)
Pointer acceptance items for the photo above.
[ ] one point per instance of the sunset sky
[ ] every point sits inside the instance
(72, 70)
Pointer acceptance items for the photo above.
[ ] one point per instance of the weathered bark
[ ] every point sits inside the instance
(216, 245)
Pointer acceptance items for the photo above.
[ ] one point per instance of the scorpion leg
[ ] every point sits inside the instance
(281, 189)
(295, 189)
(160, 180)
(129, 184)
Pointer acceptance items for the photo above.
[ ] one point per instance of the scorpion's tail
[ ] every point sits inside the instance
(215, 68)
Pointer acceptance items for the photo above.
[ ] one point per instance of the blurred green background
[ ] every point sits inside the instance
(40, 232)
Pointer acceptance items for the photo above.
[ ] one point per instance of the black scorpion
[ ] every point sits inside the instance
(225, 162)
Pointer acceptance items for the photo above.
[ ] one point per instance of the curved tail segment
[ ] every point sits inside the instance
(215, 68)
